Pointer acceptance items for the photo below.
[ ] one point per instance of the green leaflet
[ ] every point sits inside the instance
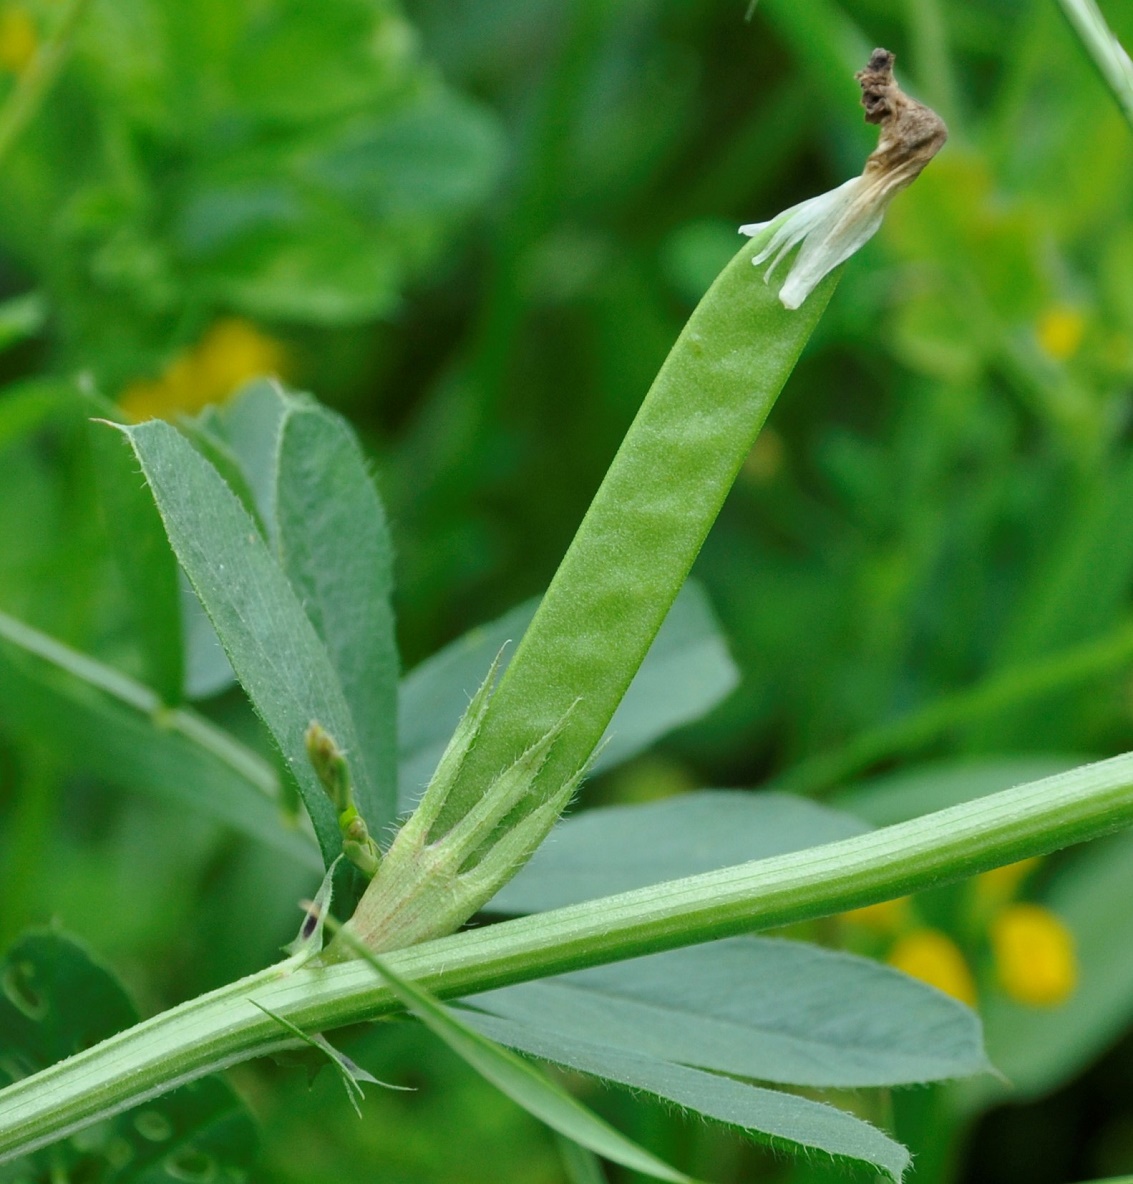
(274, 649)
(763, 1008)
(304, 478)
(334, 546)
(774, 1118)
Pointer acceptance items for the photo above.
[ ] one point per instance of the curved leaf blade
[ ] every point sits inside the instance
(763, 1008)
(767, 1116)
(522, 1082)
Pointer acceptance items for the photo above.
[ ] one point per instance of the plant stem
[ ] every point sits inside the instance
(223, 1028)
(37, 79)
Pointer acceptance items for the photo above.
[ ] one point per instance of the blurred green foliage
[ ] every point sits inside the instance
(477, 228)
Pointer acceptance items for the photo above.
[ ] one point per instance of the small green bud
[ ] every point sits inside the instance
(330, 766)
(332, 770)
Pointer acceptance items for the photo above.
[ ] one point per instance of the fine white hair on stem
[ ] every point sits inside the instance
(833, 225)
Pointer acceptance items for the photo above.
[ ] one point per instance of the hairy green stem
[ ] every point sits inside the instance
(225, 1027)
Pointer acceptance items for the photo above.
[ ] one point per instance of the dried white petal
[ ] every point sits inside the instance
(833, 225)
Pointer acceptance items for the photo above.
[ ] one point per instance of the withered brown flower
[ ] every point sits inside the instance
(833, 225)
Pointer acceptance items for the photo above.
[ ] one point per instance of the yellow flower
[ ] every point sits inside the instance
(1060, 331)
(1034, 955)
(1001, 883)
(887, 916)
(230, 353)
(233, 351)
(18, 38)
(935, 958)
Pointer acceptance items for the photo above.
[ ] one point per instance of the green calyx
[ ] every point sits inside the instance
(428, 886)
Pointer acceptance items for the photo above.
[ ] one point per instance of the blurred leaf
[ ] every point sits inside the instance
(202, 1131)
(618, 848)
(432, 159)
(21, 317)
(280, 660)
(830, 48)
(28, 406)
(763, 1008)
(97, 721)
(695, 254)
(348, 54)
(349, 209)
(780, 1120)
(581, 1165)
(523, 1083)
(686, 672)
(207, 668)
(1083, 584)
(55, 1001)
(148, 567)
(194, 162)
